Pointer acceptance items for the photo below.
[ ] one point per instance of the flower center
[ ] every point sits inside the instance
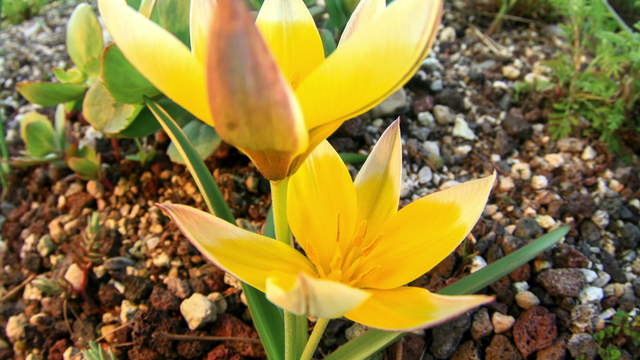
(349, 263)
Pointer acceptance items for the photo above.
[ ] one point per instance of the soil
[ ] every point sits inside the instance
(122, 285)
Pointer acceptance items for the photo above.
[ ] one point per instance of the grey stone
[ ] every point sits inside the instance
(447, 336)
(461, 129)
(629, 236)
(392, 105)
(528, 228)
(582, 346)
(481, 325)
(443, 115)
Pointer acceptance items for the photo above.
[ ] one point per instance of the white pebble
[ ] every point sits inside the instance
(198, 310)
(501, 322)
(591, 294)
(539, 182)
(527, 300)
(589, 275)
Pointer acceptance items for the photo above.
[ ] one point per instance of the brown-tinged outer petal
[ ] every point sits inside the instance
(254, 106)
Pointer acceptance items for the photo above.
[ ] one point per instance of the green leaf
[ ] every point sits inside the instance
(337, 15)
(38, 135)
(84, 39)
(203, 137)
(267, 318)
(173, 15)
(353, 158)
(73, 75)
(85, 162)
(146, 7)
(375, 340)
(50, 94)
(123, 81)
(104, 113)
(328, 41)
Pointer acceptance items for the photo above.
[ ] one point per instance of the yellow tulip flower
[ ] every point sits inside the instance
(267, 86)
(360, 249)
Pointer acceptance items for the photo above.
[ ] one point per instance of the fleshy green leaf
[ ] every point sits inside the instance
(123, 81)
(267, 318)
(85, 162)
(38, 135)
(203, 137)
(373, 341)
(173, 15)
(104, 113)
(50, 94)
(84, 39)
(73, 75)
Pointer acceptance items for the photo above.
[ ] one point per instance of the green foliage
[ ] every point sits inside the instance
(16, 11)
(123, 81)
(45, 142)
(84, 39)
(203, 137)
(623, 329)
(598, 76)
(95, 352)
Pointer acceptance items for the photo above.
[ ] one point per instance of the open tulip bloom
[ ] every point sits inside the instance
(266, 85)
(359, 250)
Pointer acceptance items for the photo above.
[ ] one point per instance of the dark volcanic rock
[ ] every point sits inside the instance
(447, 336)
(562, 282)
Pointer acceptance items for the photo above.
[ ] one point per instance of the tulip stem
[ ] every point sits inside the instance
(283, 233)
(314, 339)
(279, 203)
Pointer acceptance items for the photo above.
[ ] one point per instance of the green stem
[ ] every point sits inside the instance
(314, 339)
(279, 203)
(283, 233)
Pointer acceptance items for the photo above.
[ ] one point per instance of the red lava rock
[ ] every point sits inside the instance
(534, 330)
(78, 201)
(501, 348)
(568, 256)
(163, 299)
(140, 353)
(57, 350)
(554, 352)
(109, 296)
(221, 352)
(523, 273)
(413, 346)
(229, 325)
(467, 351)
(503, 290)
(190, 349)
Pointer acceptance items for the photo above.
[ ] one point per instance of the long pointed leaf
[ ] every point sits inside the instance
(375, 340)
(267, 317)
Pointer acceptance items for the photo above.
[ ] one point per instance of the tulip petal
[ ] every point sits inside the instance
(378, 182)
(248, 256)
(302, 294)
(291, 34)
(200, 14)
(321, 206)
(165, 61)
(251, 100)
(374, 62)
(411, 308)
(365, 12)
(424, 232)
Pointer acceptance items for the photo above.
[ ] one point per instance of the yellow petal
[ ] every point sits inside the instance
(292, 36)
(378, 182)
(302, 294)
(410, 308)
(373, 63)
(321, 206)
(249, 257)
(200, 14)
(254, 106)
(365, 11)
(424, 232)
(159, 56)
